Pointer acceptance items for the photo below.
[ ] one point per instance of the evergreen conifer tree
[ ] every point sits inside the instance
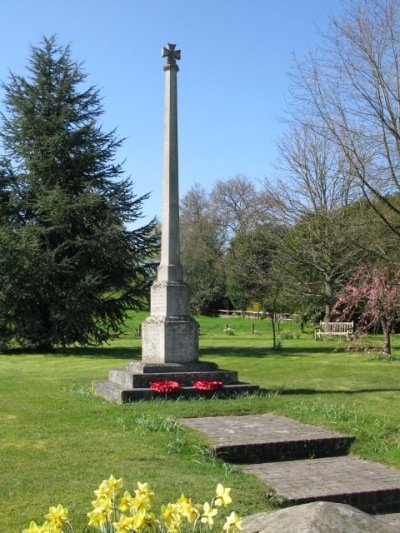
(70, 268)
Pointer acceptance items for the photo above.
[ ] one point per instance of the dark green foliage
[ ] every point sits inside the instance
(69, 266)
(202, 252)
(249, 260)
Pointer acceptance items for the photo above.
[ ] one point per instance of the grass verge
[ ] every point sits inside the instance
(58, 442)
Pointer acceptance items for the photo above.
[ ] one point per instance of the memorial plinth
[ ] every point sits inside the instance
(170, 334)
(170, 344)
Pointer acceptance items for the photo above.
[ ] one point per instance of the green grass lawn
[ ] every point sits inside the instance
(58, 441)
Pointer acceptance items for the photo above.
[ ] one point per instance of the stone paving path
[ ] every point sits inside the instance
(256, 438)
(304, 463)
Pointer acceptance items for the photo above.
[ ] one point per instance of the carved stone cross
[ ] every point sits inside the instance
(171, 54)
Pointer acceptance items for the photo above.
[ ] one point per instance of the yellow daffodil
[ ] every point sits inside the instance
(33, 528)
(125, 524)
(183, 500)
(223, 497)
(208, 515)
(141, 503)
(139, 520)
(103, 491)
(144, 490)
(98, 517)
(233, 523)
(187, 509)
(151, 522)
(171, 516)
(48, 527)
(113, 484)
(125, 502)
(168, 511)
(104, 502)
(108, 514)
(143, 496)
(57, 515)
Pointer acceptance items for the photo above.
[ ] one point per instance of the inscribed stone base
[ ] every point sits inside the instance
(170, 340)
(169, 299)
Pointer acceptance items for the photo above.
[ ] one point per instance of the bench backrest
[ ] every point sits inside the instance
(337, 327)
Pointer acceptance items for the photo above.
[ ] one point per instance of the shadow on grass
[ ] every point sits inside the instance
(311, 392)
(103, 352)
(92, 352)
(134, 353)
(260, 352)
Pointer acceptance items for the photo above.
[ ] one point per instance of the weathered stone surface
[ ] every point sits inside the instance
(170, 368)
(135, 380)
(371, 487)
(170, 268)
(267, 438)
(170, 298)
(170, 335)
(170, 340)
(316, 517)
(117, 393)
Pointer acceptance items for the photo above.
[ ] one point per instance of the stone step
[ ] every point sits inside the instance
(390, 519)
(114, 392)
(162, 368)
(371, 487)
(129, 379)
(261, 438)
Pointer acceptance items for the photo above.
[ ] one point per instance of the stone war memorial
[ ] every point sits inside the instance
(170, 343)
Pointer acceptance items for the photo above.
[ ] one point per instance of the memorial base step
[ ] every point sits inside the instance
(134, 382)
(113, 392)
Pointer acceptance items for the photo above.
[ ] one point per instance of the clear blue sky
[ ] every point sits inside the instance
(232, 82)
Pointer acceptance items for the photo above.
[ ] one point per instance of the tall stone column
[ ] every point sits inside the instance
(170, 268)
(170, 335)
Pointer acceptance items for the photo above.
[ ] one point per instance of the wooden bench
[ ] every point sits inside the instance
(344, 329)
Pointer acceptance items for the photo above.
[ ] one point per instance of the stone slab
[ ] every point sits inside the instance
(390, 519)
(114, 392)
(318, 517)
(158, 368)
(368, 486)
(140, 380)
(266, 437)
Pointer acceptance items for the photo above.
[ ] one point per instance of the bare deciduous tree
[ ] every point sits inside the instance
(238, 206)
(313, 200)
(349, 92)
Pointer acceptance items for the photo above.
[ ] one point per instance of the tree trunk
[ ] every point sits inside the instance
(386, 346)
(275, 347)
(328, 298)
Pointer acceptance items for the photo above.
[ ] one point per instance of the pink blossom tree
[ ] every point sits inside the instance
(375, 294)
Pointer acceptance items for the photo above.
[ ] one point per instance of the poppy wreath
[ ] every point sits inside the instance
(208, 385)
(165, 386)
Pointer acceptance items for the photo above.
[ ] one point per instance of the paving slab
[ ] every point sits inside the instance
(391, 519)
(266, 437)
(368, 486)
